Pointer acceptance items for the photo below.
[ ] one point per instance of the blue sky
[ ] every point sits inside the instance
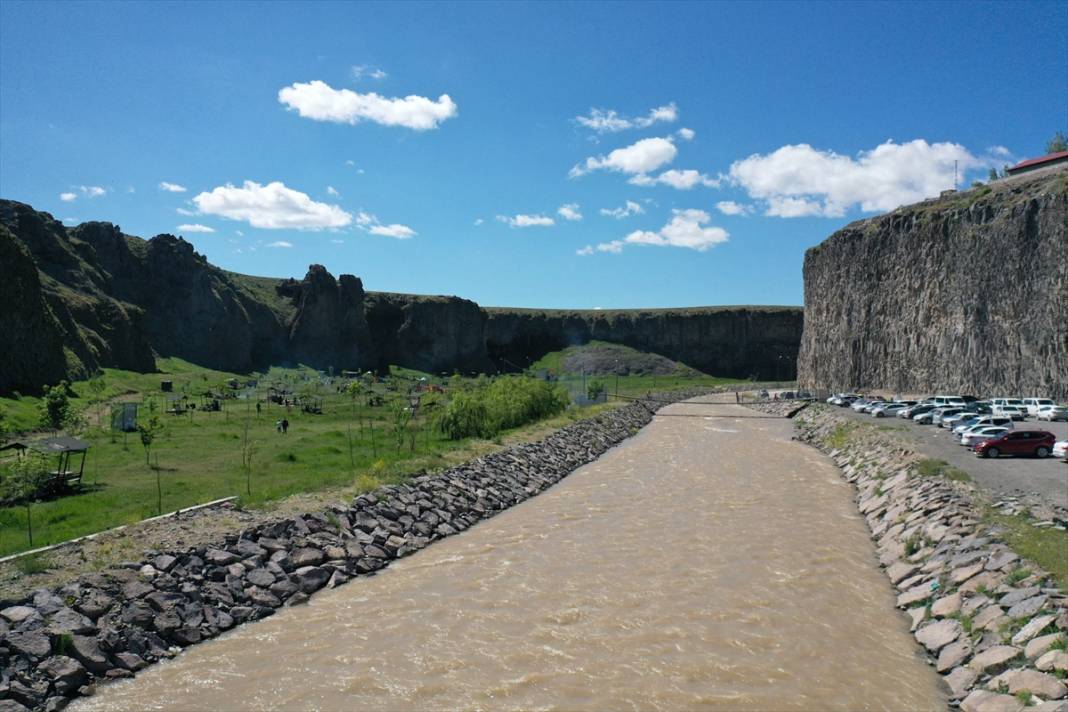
(427, 147)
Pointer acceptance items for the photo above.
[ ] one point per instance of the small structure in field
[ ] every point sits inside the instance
(124, 417)
(63, 477)
(166, 386)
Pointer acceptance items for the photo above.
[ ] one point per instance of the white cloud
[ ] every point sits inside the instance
(401, 232)
(587, 250)
(687, 228)
(628, 209)
(171, 187)
(70, 221)
(195, 227)
(338, 242)
(183, 211)
(799, 180)
(526, 220)
(479, 221)
(570, 211)
(609, 121)
(366, 70)
(729, 207)
(784, 207)
(678, 179)
(686, 134)
(279, 243)
(93, 191)
(367, 221)
(272, 206)
(239, 233)
(68, 197)
(319, 101)
(350, 162)
(999, 152)
(643, 156)
(331, 190)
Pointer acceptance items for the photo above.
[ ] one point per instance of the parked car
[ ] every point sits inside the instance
(947, 400)
(1060, 448)
(927, 417)
(1015, 412)
(1006, 401)
(971, 438)
(1033, 405)
(872, 406)
(915, 410)
(1052, 412)
(859, 403)
(945, 413)
(1001, 421)
(889, 410)
(1018, 442)
(951, 421)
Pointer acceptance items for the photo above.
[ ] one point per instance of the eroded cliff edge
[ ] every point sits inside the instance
(967, 293)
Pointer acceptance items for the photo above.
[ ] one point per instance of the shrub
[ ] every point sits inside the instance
(505, 403)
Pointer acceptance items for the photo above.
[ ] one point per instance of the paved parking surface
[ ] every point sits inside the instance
(1048, 478)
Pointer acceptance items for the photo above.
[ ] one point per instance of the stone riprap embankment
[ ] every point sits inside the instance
(55, 644)
(993, 625)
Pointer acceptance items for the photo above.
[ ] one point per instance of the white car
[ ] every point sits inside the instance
(1034, 405)
(1060, 448)
(1052, 412)
(1015, 412)
(971, 438)
(986, 421)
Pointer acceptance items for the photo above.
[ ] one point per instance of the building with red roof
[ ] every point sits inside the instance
(1032, 164)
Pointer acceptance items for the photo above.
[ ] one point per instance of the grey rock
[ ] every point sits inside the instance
(306, 556)
(311, 578)
(67, 620)
(936, 636)
(35, 645)
(1028, 608)
(87, 651)
(66, 674)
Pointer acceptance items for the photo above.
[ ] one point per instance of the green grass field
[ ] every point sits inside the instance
(199, 455)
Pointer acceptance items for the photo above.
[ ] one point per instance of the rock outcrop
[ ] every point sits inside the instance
(33, 337)
(967, 293)
(428, 333)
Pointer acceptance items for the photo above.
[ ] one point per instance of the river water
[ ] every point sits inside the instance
(707, 563)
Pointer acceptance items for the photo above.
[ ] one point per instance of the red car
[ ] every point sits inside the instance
(1017, 442)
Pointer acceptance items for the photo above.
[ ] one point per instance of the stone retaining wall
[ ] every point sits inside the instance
(56, 644)
(993, 625)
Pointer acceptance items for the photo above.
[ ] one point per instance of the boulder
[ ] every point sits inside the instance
(936, 636)
(66, 674)
(1037, 683)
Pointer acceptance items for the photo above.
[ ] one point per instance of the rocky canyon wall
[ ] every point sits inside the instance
(91, 296)
(964, 294)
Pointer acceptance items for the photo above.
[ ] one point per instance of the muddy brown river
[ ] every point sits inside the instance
(707, 563)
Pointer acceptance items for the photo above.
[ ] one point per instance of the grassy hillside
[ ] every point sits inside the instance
(198, 455)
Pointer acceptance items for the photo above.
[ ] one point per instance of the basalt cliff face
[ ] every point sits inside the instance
(81, 298)
(965, 294)
(726, 341)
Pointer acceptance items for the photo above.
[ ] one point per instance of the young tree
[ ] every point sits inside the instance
(248, 449)
(993, 174)
(55, 406)
(148, 430)
(1057, 144)
(23, 484)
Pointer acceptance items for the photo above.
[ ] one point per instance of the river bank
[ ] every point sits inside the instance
(993, 624)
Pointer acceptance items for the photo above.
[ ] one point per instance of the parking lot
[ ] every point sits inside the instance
(1006, 476)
